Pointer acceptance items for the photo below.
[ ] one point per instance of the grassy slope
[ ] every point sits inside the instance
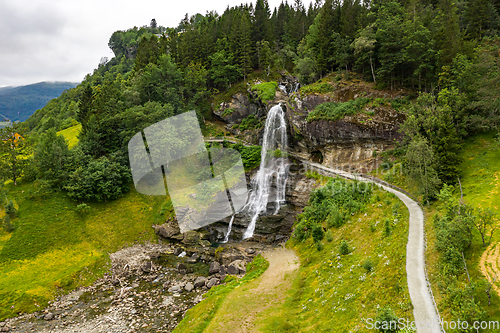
(480, 182)
(54, 249)
(333, 293)
(71, 134)
(480, 171)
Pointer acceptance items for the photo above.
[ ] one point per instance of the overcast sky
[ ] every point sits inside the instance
(63, 40)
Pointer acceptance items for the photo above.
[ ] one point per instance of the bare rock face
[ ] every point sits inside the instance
(237, 109)
(299, 191)
(351, 141)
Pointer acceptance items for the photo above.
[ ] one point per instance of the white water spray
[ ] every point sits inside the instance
(272, 165)
(226, 238)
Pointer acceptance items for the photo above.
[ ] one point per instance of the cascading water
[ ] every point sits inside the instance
(226, 238)
(273, 165)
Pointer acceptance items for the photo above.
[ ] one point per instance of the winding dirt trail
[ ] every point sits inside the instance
(243, 306)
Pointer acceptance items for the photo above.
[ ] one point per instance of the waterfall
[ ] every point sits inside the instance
(226, 238)
(273, 165)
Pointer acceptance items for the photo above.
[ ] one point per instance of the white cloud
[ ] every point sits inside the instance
(60, 40)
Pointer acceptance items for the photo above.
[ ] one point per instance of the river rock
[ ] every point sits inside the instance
(189, 287)
(214, 268)
(212, 282)
(236, 267)
(168, 229)
(48, 316)
(191, 237)
(175, 289)
(200, 282)
(180, 266)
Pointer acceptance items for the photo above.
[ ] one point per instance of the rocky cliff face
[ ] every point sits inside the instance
(347, 143)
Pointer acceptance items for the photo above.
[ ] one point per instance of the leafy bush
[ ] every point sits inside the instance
(100, 180)
(387, 319)
(250, 156)
(387, 227)
(336, 111)
(318, 233)
(7, 224)
(67, 123)
(10, 209)
(335, 219)
(344, 247)
(319, 246)
(266, 90)
(368, 265)
(250, 122)
(83, 209)
(227, 112)
(400, 103)
(329, 236)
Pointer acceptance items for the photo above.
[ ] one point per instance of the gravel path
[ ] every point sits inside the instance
(424, 309)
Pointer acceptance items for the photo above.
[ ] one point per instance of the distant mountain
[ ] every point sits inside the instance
(18, 103)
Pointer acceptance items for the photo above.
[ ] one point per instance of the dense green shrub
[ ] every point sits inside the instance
(265, 90)
(83, 209)
(100, 180)
(344, 247)
(316, 88)
(387, 227)
(7, 224)
(317, 233)
(387, 319)
(368, 265)
(250, 122)
(335, 218)
(329, 236)
(10, 209)
(336, 111)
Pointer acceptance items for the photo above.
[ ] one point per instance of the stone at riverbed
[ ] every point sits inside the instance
(189, 287)
(236, 267)
(175, 289)
(191, 237)
(214, 268)
(200, 282)
(49, 316)
(181, 266)
(212, 282)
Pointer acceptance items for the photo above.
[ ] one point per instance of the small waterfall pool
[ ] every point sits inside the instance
(273, 168)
